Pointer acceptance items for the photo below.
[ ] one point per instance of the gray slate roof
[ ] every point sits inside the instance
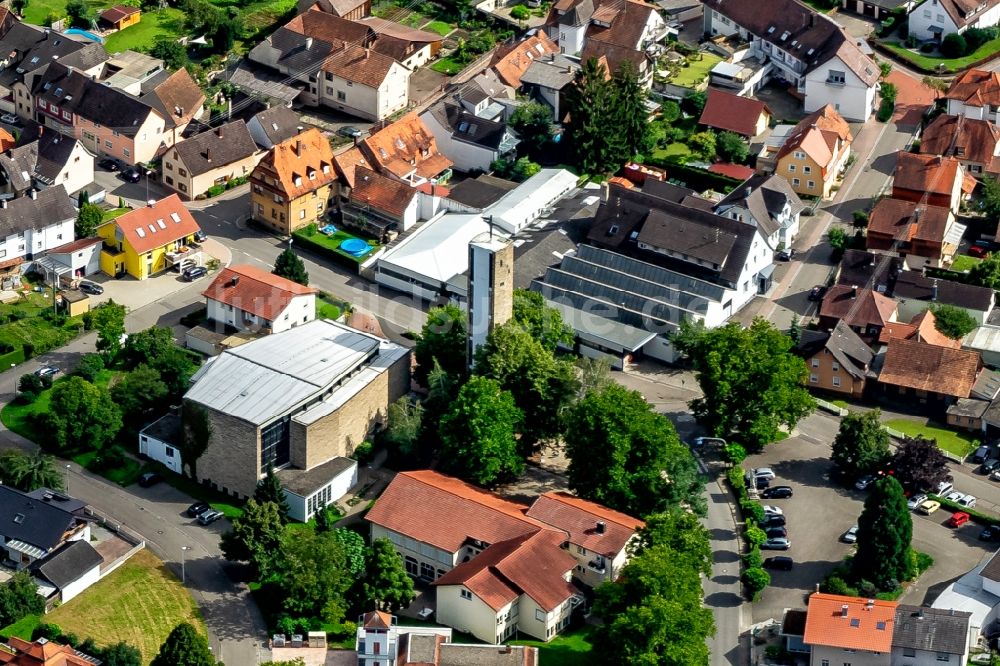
(306, 482)
(468, 127)
(49, 206)
(553, 71)
(31, 520)
(931, 629)
(765, 196)
(29, 48)
(42, 159)
(216, 147)
(482, 191)
(850, 351)
(68, 563)
(279, 123)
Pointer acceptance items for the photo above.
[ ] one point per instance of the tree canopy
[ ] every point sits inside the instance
(861, 445)
(81, 417)
(387, 585)
(752, 383)
(108, 319)
(952, 321)
(680, 531)
(19, 598)
(185, 647)
(88, 219)
(29, 472)
(269, 490)
(443, 340)
(542, 322)
(533, 124)
(884, 532)
(313, 576)
(255, 537)
(289, 266)
(919, 464)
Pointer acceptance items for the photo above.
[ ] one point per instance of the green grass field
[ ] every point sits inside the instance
(162, 22)
(964, 262)
(32, 328)
(959, 443)
(567, 649)
(447, 66)
(696, 72)
(440, 27)
(674, 152)
(139, 603)
(326, 310)
(23, 628)
(332, 242)
(930, 63)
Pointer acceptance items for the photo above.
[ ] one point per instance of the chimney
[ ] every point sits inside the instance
(920, 614)
(749, 191)
(870, 604)
(3, 203)
(605, 191)
(208, 154)
(843, 610)
(70, 70)
(235, 281)
(218, 132)
(45, 34)
(34, 194)
(368, 52)
(298, 148)
(300, 129)
(41, 131)
(934, 290)
(309, 42)
(854, 291)
(601, 527)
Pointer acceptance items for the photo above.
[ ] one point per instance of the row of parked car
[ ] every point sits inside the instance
(774, 524)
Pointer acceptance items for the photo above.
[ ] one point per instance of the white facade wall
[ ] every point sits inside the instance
(302, 508)
(83, 262)
(570, 38)
(927, 658)
(418, 58)
(959, 108)
(471, 615)
(36, 241)
(930, 13)
(423, 554)
(362, 101)
(79, 170)
(539, 623)
(466, 156)
(301, 309)
(162, 452)
(412, 212)
(853, 99)
(80, 584)
(834, 656)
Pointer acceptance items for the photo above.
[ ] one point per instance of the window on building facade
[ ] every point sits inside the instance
(341, 96)
(465, 594)
(275, 444)
(813, 379)
(836, 381)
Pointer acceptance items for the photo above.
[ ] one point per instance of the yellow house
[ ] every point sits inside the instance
(815, 153)
(149, 240)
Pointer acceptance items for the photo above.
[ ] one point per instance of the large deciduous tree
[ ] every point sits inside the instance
(404, 420)
(387, 585)
(289, 266)
(987, 272)
(269, 490)
(919, 464)
(952, 321)
(108, 319)
(752, 382)
(313, 576)
(543, 323)
(442, 339)
(861, 445)
(884, 532)
(680, 531)
(627, 457)
(533, 124)
(81, 417)
(19, 598)
(185, 647)
(87, 220)
(120, 654)
(477, 434)
(255, 537)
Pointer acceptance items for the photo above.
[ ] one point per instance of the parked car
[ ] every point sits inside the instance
(958, 519)
(200, 236)
(865, 482)
(773, 521)
(850, 536)
(209, 517)
(195, 272)
(990, 533)
(944, 488)
(91, 288)
(766, 472)
(817, 293)
(350, 132)
(773, 510)
(10, 119)
(777, 492)
(995, 476)
(981, 454)
(47, 371)
(928, 507)
(978, 251)
(778, 531)
(954, 496)
(782, 562)
(131, 175)
(197, 509)
(968, 501)
(149, 479)
(785, 255)
(777, 543)
(110, 164)
(760, 482)
(916, 501)
(989, 465)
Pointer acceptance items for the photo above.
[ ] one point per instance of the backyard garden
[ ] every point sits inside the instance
(29, 326)
(335, 243)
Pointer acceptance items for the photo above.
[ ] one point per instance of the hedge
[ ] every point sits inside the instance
(302, 240)
(981, 517)
(695, 178)
(11, 358)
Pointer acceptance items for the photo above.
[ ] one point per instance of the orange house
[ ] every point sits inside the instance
(120, 17)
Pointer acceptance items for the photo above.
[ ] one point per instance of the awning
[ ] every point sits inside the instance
(766, 272)
(26, 548)
(935, 29)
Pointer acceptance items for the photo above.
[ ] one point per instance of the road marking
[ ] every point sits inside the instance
(213, 216)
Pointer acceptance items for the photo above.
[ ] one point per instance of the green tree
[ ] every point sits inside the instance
(78, 13)
(752, 382)
(386, 583)
(756, 579)
(542, 386)
(888, 92)
(19, 598)
(533, 124)
(30, 385)
(89, 217)
(732, 147)
(523, 169)
(138, 394)
(694, 103)
(404, 420)
(289, 266)
(477, 434)
(269, 490)
(670, 111)
(627, 457)
(120, 654)
(987, 272)
(172, 52)
(81, 417)
(29, 472)
(953, 322)
(884, 532)
(19, 6)
(175, 367)
(591, 104)
(197, 433)
(989, 198)
(313, 576)
(952, 46)
(631, 117)
(837, 238)
(108, 319)
(326, 518)
(884, 68)
(861, 445)
(442, 339)
(680, 531)
(919, 464)
(703, 143)
(255, 538)
(353, 546)
(147, 346)
(653, 614)
(184, 647)
(795, 329)
(442, 389)
(298, 661)
(544, 323)
(594, 374)
(89, 367)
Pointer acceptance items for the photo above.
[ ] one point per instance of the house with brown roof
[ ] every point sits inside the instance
(864, 310)
(923, 235)
(248, 298)
(804, 47)
(975, 94)
(511, 61)
(974, 143)
(939, 18)
(838, 360)
(348, 9)
(19, 652)
(378, 202)
(499, 566)
(151, 239)
(294, 184)
(921, 328)
(410, 46)
(815, 153)
(931, 180)
(928, 372)
(210, 160)
(406, 150)
(120, 17)
(727, 112)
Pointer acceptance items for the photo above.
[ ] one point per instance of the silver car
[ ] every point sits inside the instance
(850, 536)
(916, 501)
(776, 543)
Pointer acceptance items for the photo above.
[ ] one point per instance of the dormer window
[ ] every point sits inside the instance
(298, 181)
(312, 175)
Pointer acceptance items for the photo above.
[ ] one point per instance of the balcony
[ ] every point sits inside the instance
(597, 566)
(840, 83)
(185, 255)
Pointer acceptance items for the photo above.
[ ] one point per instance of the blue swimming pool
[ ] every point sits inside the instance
(329, 230)
(83, 33)
(355, 247)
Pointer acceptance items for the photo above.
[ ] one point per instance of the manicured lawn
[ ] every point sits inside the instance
(31, 327)
(113, 213)
(958, 443)
(168, 22)
(964, 262)
(448, 66)
(568, 649)
(930, 63)
(675, 152)
(332, 242)
(22, 628)
(440, 27)
(696, 71)
(139, 603)
(327, 310)
(38, 10)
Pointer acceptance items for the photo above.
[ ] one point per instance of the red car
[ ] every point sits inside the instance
(978, 251)
(958, 519)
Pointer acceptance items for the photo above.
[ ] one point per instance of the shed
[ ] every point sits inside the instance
(120, 17)
(76, 302)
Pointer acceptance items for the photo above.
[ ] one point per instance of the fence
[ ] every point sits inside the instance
(124, 533)
(830, 407)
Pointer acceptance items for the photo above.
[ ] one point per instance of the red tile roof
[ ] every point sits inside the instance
(866, 308)
(292, 161)
(925, 173)
(150, 227)
(347, 161)
(726, 111)
(900, 220)
(76, 245)
(927, 367)
(511, 62)
(737, 171)
(967, 139)
(256, 291)
(976, 87)
(817, 135)
(376, 620)
(118, 12)
(403, 147)
(580, 518)
(850, 623)
(41, 653)
(384, 194)
(921, 328)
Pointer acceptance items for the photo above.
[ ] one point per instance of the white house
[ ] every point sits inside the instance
(471, 142)
(70, 569)
(34, 224)
(82, 257)
(767, 202)
(975, 94)
(307, 494)
(52, 159)
(248, 298)
(934, 19)
(158, 441)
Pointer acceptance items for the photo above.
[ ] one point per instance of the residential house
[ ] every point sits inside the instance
(969, 414)
(815, 153)
(53, 159)
(625, 31)
(975, 143)
(81, 257)
(922, 235)
(611, 57)
(864, 310)
(876, 9)
(338, 64)
(921, 328)
(274, 125)
(34, 224)
(975, 94)
(923, 635)
(32, 529)
(548, 78)
(294, 184)
(130, 70)
(931, 180)
(411, 47)
(928, 372)
(378, 203)
(406, 150)
(119, 17)
(567, 24)
(727, 112)
(497, 566)
(248, 298)
(210, 159)
(178, 98)
(804, 47)
(161, 439)
(42, 652)
(599, 538)
(346, 163)
(299, 401)
(839, 361)
(510, 61)
(149, 240)
(348, 9)
(767, 202)
(69, 570)
(473, 143)
(934, 19)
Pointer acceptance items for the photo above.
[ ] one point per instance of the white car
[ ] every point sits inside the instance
(968, 501)
(954, 496)
(764, 473)
(851, 535)
(773, 510)
(916, 501)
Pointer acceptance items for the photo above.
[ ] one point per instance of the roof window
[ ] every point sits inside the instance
(175, 217)
(140, 232)
(18, 518)
(161, 224)
(400, 144)
(152, 229)
(785, 35)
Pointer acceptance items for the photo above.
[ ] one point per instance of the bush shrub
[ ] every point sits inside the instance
(90, 365)
(927, 47)
(837, 585)
(520, 12)
(756, 579)
(954, 46)
(48, 631)
(111, 458)
(215, 191)
(363, 452)
(753, 559)
(6, 348)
